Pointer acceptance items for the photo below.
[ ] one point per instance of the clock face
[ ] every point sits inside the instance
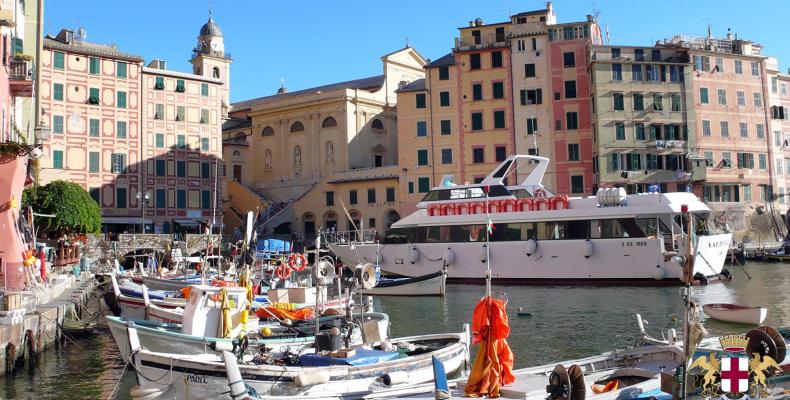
(214, 45)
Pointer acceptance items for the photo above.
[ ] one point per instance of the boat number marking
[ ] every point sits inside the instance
(398, 261)
(633, 244)
(196, 379)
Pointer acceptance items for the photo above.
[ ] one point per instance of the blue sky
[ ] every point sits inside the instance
(310, 43)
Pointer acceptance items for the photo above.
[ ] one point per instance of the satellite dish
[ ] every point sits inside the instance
(82, 32)
(324, 272)
(365, 276)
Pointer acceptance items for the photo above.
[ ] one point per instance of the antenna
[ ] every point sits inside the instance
(596, 11)
(407, 40)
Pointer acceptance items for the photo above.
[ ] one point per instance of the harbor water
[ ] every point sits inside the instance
(565, 323)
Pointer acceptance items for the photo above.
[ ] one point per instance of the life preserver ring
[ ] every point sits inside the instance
(282, 271)
(433, 209)
(540, 193)
(525, 204)
(510, 205)
(297, 262)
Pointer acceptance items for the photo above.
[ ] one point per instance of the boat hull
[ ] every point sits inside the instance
(738, 315)
(206, 377)
(426, 285)
(165, 284)
(640, 261)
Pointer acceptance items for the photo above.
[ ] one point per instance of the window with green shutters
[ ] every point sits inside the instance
(330, 198)
(93, 161)
(423, 184)
(203, 116)
(477, 91)
(573, 152)
(181, 198)
(160, 168)
(352, 197)
(391, 191)
(57, 124)
(161, 198)
(181, 169)
(204, 89)
(120, 69)
(422, 129)
(477, 121)
(411, 187)
(118, 161)
(180, 113)
(206, 199)
(498, 90)
(446, 127)
(94, 66)
(121, 130)
(447, 156)
(762, 160)
(19, 44)
(58, 60)
(419, 100)
(204, 144)
(57, 91)
(57, 159)
(615, 161)
(93, 96)
(639, 131)
(121, 99)
(577, 183)
(120, 197)
(703, 95)
(444, 99)
(422, 157)
(160, 140)
(159, 111)
(95, 194)
(94, 129)
(205, 170)
(499, 119)
(159, 83)
(444, 73)
(619, 131)
(181, 141)
(675, 99)
(180, 87)
(371, 196)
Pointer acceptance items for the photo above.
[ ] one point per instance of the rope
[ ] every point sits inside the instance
(64, 333)
(119, 379)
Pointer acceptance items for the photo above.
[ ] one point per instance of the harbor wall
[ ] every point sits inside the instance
(761, 222)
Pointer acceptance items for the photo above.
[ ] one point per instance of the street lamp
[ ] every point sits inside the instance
(145, 198)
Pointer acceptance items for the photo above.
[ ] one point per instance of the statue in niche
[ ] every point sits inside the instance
(330, 152)
(267, 161)
(297, 156)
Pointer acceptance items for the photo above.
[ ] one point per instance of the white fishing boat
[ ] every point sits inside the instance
(135, 308)
(401, 362)
(427, 285)
(539, 237)
(175, 283)
(736, 313)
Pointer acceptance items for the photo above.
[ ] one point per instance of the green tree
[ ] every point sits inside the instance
(72, 206)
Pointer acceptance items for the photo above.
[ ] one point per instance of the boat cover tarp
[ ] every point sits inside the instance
(493, 366)
(362, 357)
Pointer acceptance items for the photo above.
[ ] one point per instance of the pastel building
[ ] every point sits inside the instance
(135, 137)
(16, 83)
(640, 115)
(320, 157)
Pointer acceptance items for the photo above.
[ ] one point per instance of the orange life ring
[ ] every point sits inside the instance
(433, 209)
(558, 199)
(297, 262)
(282, 271)
(540, 193)
(541, 201)
(524, 204)
(448, 209)
(510, 205)
(462, 209)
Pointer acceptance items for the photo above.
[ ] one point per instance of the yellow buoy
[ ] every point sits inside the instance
(266, 331)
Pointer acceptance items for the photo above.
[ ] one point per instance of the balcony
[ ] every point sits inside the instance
(488, 41)
(21, 78)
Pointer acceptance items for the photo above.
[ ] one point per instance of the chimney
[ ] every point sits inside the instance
(471, 23)
(589, 18)
(729, 34)
(549, 6)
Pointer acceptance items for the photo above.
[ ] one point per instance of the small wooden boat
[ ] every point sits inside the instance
(426, 285)
(736, 313)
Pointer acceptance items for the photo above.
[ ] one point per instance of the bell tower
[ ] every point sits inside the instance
(209, 58)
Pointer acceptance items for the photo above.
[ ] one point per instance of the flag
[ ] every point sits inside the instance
(490, 226)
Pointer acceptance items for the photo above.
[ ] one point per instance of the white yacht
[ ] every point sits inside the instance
(541, 238)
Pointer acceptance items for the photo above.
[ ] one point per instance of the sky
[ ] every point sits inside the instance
(310, 43)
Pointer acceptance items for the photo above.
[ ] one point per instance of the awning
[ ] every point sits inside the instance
(187, 222)
(124, 220)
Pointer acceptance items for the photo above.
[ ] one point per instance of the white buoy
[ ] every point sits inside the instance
(588, 248)
(532, 246)
(449, 256)
(414, 255)
(484, 255)
(311, 378)
(660, 273)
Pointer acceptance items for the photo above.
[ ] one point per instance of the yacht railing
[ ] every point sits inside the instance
(348, 237)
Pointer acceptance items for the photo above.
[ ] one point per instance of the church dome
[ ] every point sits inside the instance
(210, 28)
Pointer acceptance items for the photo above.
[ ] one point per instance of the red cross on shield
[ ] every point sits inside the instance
(734, 374)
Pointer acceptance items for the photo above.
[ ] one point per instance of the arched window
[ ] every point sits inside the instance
(216, 72)
(329, 122)
(297, 127)
(297, 155)
(236, 153)
(267, 159)
(267, 131)
(377, 124)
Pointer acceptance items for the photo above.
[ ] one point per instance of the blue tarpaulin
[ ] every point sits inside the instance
(362, 357)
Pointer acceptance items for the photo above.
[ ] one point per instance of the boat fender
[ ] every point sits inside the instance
(395, 378)
(532, 246)
(702, 279)
(660, 273)
(588, 248)
(141, 393)
(449, 256)
(221, 345)
(311, 378)
(484, 254)
(414, 255)
(672, 335)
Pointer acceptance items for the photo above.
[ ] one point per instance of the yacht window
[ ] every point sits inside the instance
(417, 235)
(579, 229)
(619, 228)
(396, 236)
(437, 234)
(521, 194)
(501, 172)
(467, 233)
(653, 227)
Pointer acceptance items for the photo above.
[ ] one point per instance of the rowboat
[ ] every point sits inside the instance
(402, 362)
(172, 283)
(736, 313)
(426, 285)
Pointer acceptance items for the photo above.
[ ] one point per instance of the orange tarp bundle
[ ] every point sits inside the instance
(294, 315)
(493, 366)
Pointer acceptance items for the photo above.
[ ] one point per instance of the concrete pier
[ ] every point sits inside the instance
(39, 328)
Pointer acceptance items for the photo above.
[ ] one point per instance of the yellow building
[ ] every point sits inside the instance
(306, 152)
